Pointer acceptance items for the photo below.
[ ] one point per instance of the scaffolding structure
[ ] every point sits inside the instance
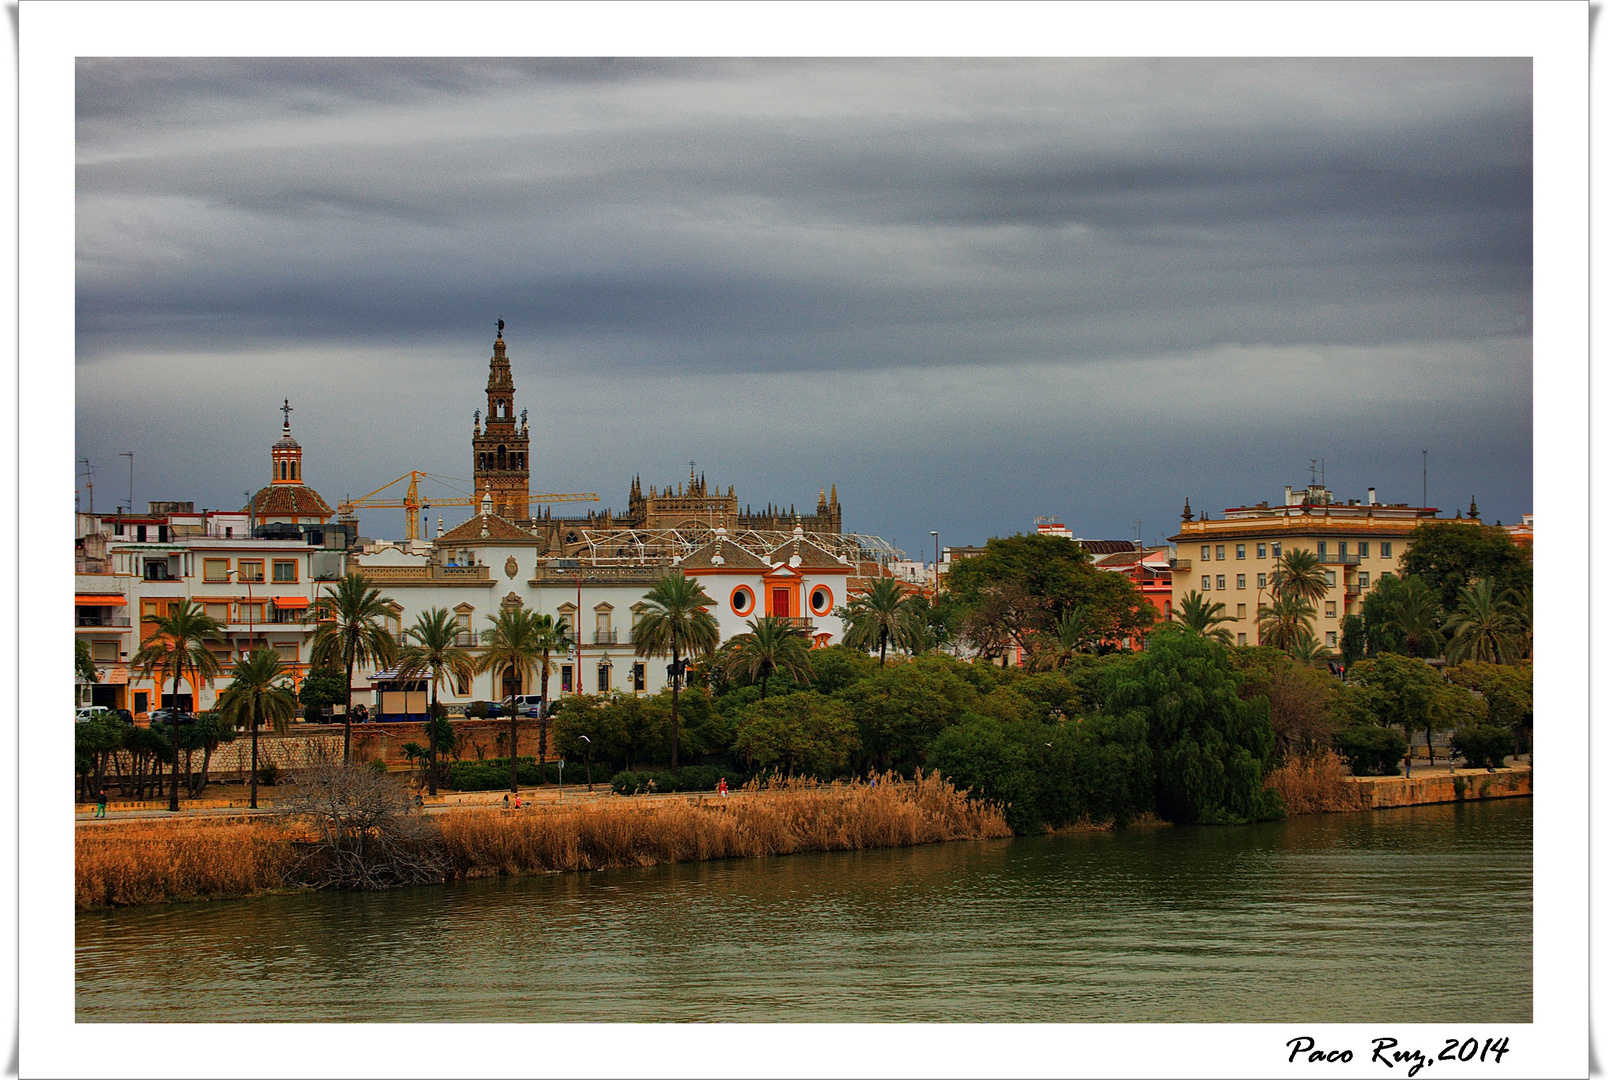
(661, 547)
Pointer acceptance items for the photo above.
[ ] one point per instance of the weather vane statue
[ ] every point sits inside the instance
(287, 410)
(499, 328)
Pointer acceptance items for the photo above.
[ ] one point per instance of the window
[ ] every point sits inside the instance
(1362, 549)
(1239, 613)
(1277, 549)
(566, 679)
(1384, 549)
(1328, 609)
(1362, 580)
(1261, 551)
(214, 569)
(742, 600)
(1323, 548)
(1331, 639)
(1222, 581)
(289, 652)
(1328, 577)
(252, 612)
(1239, 581)
(228, 532)
(1220, 555)
(1205, 583)
(1261, 581)
(1242, 639)
(250, 569)
(461, 685)
(1205, 553)
(603, 677)
(1342, 549)
(639, 676)
(605, 627)
(821, 600)
(1169, 608)
(216, 611)
(284, 569)
(1239, 551)
(103, 652)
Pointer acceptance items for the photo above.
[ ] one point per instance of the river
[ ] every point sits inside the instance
(1412, 915)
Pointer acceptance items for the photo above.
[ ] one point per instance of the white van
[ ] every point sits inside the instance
(525, 704)
(86, 713)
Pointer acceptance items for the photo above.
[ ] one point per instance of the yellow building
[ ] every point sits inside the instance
(1229, 560)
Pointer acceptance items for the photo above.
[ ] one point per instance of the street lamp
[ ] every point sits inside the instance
(935, 554)
(588, 743)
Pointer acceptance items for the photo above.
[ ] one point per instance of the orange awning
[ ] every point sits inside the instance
(290, 601)
(111, 600)
(117, 676)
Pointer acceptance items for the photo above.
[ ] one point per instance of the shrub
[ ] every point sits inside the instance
(377, 767)
(1315, 783)
(267, 773)
(687, 778)
(1372, 751)
(475, 710)
(1483, 745)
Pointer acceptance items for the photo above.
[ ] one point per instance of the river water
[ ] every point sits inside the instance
(1412, 915)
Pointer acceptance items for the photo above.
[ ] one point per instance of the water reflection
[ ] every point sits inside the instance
(1338, 918)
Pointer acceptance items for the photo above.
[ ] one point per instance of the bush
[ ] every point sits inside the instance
(1483, 745)
(475, 710)
(492, 774)
(267, 774)
(377, 767)
(687, 778)
(1372, 751)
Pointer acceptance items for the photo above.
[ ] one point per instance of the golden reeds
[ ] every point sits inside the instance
(142, 863)
(1315, 783)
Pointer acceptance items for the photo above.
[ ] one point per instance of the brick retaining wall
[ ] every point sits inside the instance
(1380, 792)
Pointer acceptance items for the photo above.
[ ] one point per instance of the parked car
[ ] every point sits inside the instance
(123, 715)
(86, 713)
(529, 705)
(494, 710)
(166, 717)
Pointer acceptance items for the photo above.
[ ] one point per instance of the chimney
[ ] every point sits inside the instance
(1289, 495)
(1373, 499)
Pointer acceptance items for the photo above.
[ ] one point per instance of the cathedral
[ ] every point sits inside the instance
(502, 470)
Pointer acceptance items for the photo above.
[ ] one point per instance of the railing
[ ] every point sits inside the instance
(426, 575)
(465, 639)
(1179, 564)
(605, 637)
(1353, 589)
(802, 625)
(1332, 559)
(105, 620)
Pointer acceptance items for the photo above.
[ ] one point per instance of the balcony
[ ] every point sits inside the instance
(802, 625)
(466, 639)
(432, 574)
(605, 637)
(1331, 559)
(1181, 565)
(85, 619)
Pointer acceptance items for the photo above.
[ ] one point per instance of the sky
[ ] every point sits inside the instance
(968, 293)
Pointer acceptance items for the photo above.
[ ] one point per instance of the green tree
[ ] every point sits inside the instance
(205, 734)
(1204, 616)
(1395, 689)
(1380, 633)
(1416, 614)
(94, 741)
(258, 693)
(1519, 602)
(881, 615)
(1481, 628)
(432, 649)
(1450, 555)
(771, 645)
(901, 709)
(1307, 650)
(320, 687)
(1282, 622)
(802, 732)
(1508, 691)
(1353, 640)
(1074, 635)
(1211, 750)
(177, 648)
(511, 642)
(84, 663)
(351, 630)
(676, 620)
(1298, 572)
(552, 635)
(1301, 700)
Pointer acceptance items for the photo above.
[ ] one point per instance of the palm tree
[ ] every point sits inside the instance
(1074, 634)
(772, 644)
(434, 650)
(552, 635)
(1281, 623)
(257, 693)
(1482, 628)
(512, 642)
(676, 620)
(1417, 616)
(1519, 603)
(880, 616)
(1307, 650)
(351, 629)
(83, 664)
(1204, 616)
(1299, 573)
(178, 644)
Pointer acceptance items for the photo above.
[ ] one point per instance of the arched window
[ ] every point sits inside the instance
(502, 457)
(294, 471)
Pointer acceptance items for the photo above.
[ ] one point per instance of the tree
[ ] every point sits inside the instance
(676, 620)
(1508, 692)
(802, 731)
(431, 648)
(771, 645)
(1074, 636)
(900, 710)
(1415, 612)
(1301, 700)
(1281, 623)
(1395, 689)
(881, 615)
(1204, 617)
(320, 687)
(1380, 634)
(258, 693)
(552, 635)
(511, 642)
(176, 647)
(1307, 650)
(1211, 749)
(368, 833)
(1299, 573)
(1353, 640)
(1450, 555)
(351, 630)
(205, 733)
(94, 741)
(1520, 602)
(83, 663)
(1482, 628)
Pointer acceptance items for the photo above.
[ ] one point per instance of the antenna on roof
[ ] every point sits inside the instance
(1312, 471)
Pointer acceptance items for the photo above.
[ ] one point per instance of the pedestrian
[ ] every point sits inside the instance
(505, 802)
(517, 801)
(1409, 762)
(100, 803)
(720, 788)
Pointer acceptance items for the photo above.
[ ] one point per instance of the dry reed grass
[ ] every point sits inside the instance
(1315, 783)
(784, 819)
(159, 861)
(147, 863)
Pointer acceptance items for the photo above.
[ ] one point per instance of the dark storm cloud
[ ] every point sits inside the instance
(723, 223)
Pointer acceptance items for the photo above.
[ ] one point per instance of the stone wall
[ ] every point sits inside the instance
(312, 744)
(1380, 792)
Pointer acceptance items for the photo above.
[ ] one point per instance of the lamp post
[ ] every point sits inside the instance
(251, 632)
(935, 554)
(588, 743)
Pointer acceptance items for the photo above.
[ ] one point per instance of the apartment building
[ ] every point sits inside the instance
(1230, 559)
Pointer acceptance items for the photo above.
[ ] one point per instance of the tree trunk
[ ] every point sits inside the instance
(346, 744)
(254, 762)
(675, 698)
(883, 643)
(513, 743)
(430, 726)
(541, 741)
(173, 797)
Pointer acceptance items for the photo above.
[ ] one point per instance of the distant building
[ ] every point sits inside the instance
(1229, 560)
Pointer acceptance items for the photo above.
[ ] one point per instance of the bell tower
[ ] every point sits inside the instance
(502, 467)
(287, 453)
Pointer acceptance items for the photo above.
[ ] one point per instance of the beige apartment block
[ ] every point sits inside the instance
(1230, 559)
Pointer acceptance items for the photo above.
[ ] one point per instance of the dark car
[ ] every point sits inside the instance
(166, 717)
(494, 710)
(123, 715)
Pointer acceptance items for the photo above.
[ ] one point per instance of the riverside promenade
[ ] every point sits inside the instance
(1428, 786)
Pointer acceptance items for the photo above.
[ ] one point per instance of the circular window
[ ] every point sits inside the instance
(821, 600)
(742, 600)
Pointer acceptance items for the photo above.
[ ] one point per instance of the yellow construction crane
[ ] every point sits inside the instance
(411, 502)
